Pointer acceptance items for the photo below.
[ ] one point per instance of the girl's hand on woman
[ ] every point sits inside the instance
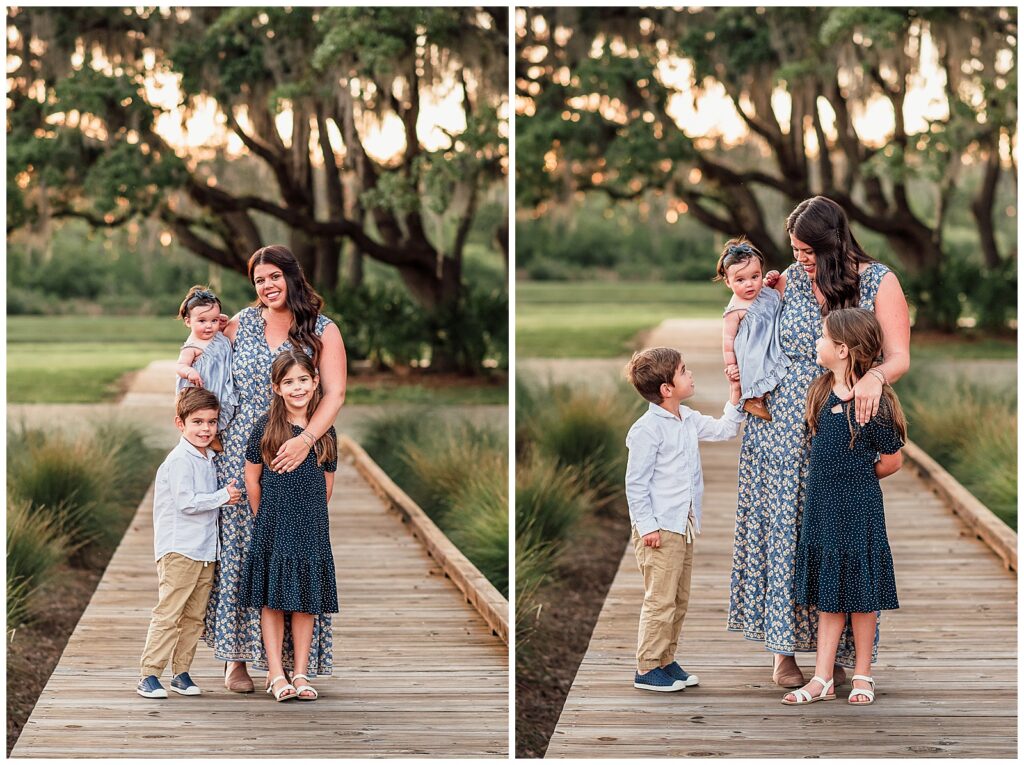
(867, 393)
(291, 454)
(732, 372)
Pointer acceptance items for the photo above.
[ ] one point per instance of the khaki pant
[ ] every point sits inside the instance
(666, 571)
(177, 621)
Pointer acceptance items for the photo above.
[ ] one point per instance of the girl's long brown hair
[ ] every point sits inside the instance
(278, 429)
(823, 225)
(858, 329)
(302, 300)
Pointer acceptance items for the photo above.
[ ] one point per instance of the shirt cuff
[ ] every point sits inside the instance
(223, 496)
(647, 527)
(732, 413)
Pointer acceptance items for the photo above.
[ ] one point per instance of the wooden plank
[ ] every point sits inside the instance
(479, 591)
(418, 672)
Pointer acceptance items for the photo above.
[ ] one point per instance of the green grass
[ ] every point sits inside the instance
(940, 348)
(462, 395)
(81, 359)
(76, 373)
(602, 319)
(150, 330)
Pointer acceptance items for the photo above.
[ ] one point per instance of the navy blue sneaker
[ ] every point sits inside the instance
(657, 680)
(182, 683)
(150, 688)
(676, 672)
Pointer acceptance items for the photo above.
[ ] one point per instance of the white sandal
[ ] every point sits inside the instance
(279, 695)
(803, 696)
(869, 692)
(305, 687)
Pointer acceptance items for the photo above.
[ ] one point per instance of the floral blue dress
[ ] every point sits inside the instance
(773, 472)
(232, 629)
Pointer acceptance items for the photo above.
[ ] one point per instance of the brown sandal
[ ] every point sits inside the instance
(237, 684)
(792, 678)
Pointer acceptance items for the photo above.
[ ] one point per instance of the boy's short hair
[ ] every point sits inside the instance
(191, 400)
(651, 367)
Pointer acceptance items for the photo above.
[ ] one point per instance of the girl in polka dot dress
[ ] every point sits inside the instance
(289, 568)
(843, 562)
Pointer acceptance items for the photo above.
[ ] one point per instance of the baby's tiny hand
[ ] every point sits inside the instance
(653, 539)
(771, 278)
(234, 494)
(733, 373)
(194, 378)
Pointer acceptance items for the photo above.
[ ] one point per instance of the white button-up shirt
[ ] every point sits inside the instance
(186, 504)
(664, 481)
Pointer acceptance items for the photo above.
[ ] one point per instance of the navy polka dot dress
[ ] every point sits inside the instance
(843, 562)
(289, 565)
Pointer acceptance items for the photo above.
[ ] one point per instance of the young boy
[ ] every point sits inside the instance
(186, 504)
(664, 489)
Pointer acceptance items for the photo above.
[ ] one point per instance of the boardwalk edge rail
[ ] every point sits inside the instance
(478, 590)
(985, 524)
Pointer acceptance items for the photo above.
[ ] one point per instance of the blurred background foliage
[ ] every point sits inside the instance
(646, 137)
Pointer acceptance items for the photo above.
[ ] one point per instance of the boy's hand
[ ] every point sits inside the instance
(733, 373)
(653, 539)
(771, 278)
(234, 494)
(734, 392)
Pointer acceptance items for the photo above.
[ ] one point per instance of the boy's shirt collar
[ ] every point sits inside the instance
(187, 445)
(661, 411)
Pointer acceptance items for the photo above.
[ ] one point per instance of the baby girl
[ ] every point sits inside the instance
(750, 331)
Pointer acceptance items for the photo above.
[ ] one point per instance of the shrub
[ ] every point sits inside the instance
(458, 474)
(550, 501)
(439, 462)
(36, 545)
(70, 480)
(533, 566)
(385, 436)
(969, 427)
(585, 430)
(82, 482)
(477, 524)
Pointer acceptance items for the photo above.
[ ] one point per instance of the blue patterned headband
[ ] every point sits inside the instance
(200, 296)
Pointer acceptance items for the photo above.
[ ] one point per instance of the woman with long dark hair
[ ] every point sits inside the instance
(831, 271)
(285, 316)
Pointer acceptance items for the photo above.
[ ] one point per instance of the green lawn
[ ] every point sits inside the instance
(602, 319)
(81, 360)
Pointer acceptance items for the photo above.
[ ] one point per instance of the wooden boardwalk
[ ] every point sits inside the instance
(947, 663)
(418, 673)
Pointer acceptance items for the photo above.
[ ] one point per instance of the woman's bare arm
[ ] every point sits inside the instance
(894, 318)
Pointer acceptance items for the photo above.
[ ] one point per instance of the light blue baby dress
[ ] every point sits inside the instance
(758, 347)
(214, 367)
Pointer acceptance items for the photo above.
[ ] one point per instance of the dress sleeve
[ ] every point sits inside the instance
(881, 434)
(253, 453)
(331, 466)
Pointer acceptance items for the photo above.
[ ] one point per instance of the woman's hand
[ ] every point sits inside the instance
(291, 454)
(867, 393)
